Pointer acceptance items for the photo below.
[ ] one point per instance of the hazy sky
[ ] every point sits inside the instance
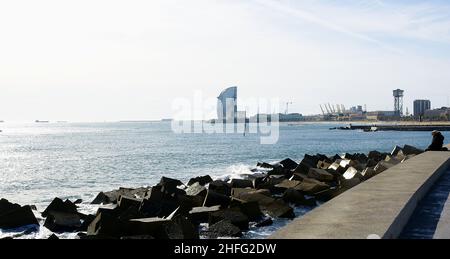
(125, 60)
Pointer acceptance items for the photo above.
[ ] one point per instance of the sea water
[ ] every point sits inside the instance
(41, 161)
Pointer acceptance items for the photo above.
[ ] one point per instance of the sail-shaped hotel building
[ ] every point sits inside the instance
(227, 105)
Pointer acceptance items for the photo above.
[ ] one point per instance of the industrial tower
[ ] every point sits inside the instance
(398, 102)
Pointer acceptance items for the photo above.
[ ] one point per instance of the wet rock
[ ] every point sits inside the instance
(337, 168)
(392, 160)
(410, 150)
(239, 192)
(396, 150)
(78, 201)
(307, 163)
(264, 223)
(234, 216)
(278, 169)
(265, 165)
(236, 192)
(335, 157)
(270, 183)
(221, 187)
(239, 183)
(297, 198)
(368, 173)
(269, 205)
(251, 210)
(12, 216)
(400, 156)
(279, 209)
(60, 222)
(347, 184)
(345, 163)
(53, 237)
(298, 177)
(129, 212)
(126, 202)
(111, 209)
(57, 205)
(349, 156)
(202, 180)
(352, 173)
(312, 186)
(155, 227)
(200, 214)
(158, 208)
(375, 155)
(324, 158)
(33, 207)
(169, 182)
(289, 164)
(196, 189)
(214, 198)
(86, 221)
(323, 165)
(186, 203)
(287, 184)
(371, 163)
(102, 198)
(113, 196)
(257, 179)
(223, 228)
(361, 158)
(155, 193)
(6, 206)
(180, 228)
(320, 175)
(382, 166)
(105, 224)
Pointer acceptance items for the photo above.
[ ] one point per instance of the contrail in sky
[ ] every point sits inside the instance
(312, 18)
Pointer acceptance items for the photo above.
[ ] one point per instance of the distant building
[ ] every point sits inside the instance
(292, 117)
(420, 106)
(383, 115)
(356, 109)
(227, 105)
(438, 114)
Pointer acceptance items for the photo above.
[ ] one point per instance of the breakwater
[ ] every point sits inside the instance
(402, 127)
(207, 208)
(380, 208)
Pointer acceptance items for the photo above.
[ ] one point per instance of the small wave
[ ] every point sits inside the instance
(239, 171)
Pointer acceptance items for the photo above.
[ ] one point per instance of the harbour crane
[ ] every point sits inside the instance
(326, 108)
(331, 108)
(323, 112)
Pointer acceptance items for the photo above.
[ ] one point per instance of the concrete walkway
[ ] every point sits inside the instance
(380, 207)
(427, 219)
(443, 227)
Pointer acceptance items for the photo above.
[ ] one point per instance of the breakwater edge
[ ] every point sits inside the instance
(204, 207)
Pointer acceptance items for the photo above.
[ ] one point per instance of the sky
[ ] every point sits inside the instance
(130, 60)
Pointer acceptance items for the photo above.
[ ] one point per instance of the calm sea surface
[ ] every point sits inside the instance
(41, 161)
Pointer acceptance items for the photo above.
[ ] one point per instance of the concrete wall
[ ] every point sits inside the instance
(379, 207)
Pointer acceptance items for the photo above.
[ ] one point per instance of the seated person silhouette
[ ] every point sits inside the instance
(437, 143)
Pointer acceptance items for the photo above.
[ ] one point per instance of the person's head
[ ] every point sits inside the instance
(435, 132)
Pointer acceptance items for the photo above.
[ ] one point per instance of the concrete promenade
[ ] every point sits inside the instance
(380, 207)
(443, 227)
